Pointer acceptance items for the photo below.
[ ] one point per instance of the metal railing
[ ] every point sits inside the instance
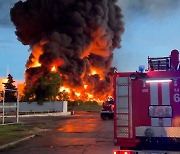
(16, 106)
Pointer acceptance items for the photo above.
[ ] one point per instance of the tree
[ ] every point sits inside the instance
(63, 96)
(45, 89)
(48, 87)
(10, 93)
(29, 93)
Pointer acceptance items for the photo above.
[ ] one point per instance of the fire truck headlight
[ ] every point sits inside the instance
(149, 132)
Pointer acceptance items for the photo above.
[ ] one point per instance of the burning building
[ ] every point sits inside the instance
(75, 38)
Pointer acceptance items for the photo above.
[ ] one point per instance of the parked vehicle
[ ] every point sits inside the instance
(107, 111)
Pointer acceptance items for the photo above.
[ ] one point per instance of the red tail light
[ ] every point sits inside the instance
(124, 152)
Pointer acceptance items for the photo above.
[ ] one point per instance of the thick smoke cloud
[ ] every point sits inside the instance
(76, 36)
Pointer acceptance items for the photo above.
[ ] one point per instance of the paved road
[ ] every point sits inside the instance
(82, 133)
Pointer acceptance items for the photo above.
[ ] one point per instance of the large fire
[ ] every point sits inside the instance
(75, 38)
(81, 92)
(84, 91)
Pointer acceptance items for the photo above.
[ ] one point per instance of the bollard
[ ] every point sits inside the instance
(72, 112)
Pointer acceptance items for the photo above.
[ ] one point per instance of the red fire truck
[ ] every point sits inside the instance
(147, 107)
(107, 109)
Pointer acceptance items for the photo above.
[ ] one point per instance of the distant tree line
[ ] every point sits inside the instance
(46, 90)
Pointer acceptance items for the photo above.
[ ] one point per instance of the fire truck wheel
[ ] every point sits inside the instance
(110, 116)
(104, 116)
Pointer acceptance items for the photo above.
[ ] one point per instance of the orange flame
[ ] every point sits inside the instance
(64, 89)
(93, 72)
(37, 50)
(98, 71)
(77, 94)
(85, 86)
(53, 69)
(56, 63)
(2, 80)
(82, 93)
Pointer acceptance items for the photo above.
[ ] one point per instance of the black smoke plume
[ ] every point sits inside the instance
(76, 36)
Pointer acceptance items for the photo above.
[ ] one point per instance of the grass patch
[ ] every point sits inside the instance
(13, 132)
(87, 108)
(79, 105)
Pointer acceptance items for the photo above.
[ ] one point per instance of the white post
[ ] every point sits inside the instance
(64, 106)
(3, 106)
(17, 108)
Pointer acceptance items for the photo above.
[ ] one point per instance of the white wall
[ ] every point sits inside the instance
(60, 106)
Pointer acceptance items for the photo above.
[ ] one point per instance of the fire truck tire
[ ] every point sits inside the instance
(104, 116)
(110, 116)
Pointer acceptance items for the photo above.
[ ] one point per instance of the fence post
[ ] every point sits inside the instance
(3, 107)
(17, 108)
(64, 106)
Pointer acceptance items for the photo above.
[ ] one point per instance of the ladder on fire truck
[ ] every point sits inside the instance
(161, 63)
(124, 107)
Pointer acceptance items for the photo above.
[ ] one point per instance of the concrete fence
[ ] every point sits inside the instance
(59, 106)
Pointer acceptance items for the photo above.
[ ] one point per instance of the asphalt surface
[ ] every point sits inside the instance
(82, 133)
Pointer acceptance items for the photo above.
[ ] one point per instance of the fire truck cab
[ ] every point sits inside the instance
(147, 106)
